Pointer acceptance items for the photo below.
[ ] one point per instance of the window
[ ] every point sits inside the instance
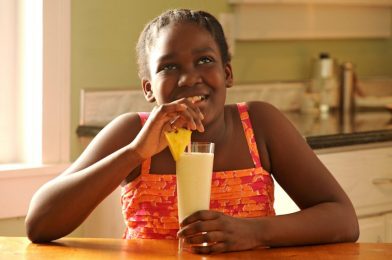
(34, 97)
(34, 80)
(21, 114)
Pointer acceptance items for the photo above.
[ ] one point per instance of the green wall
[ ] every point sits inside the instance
(104, 34)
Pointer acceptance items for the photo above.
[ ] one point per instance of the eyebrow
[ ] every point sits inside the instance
(195, 51)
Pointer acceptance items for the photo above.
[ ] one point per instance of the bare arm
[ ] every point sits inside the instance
(326, 215)
(62, 204)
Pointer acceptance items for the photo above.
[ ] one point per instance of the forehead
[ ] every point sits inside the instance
(178, 38)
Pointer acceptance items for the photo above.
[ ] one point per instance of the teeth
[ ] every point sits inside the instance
(195, 99)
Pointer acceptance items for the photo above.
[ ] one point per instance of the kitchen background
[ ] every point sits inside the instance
(104, 33)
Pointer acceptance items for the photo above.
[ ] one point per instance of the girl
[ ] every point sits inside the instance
(184, 66)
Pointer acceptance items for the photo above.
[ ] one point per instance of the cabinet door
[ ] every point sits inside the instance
(372, 229)
(365, 176)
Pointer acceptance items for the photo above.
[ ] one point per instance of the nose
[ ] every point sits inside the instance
(189, 77)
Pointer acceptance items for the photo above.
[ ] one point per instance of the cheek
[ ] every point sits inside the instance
(163, 91)
(216, 74)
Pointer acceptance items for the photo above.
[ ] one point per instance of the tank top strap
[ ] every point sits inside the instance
(249, 134)
(146, 164)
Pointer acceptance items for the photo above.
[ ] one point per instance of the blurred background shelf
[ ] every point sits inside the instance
(307, 19)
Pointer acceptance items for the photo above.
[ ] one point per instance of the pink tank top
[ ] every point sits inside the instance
(149, 203)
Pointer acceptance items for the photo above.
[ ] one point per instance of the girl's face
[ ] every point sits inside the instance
(185, 61)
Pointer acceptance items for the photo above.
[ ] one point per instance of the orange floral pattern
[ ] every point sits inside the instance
(149, 202)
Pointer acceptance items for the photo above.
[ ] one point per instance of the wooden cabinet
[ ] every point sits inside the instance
(366, 176)
(372, 229)
(376, 229)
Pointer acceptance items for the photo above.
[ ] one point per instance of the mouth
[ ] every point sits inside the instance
(197, 99)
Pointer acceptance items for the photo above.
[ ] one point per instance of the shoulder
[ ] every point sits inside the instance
(128, 124)
(261, 109)
(115, 135)
(120, 131)
(265, 114)
(269, 122)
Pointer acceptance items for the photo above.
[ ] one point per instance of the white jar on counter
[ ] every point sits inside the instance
(324, 82)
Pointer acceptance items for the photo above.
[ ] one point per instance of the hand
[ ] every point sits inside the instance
(166, 117)
(223, 233)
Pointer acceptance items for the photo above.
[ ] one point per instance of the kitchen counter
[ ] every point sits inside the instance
(334, 130)
(95, 248)
(324, 130)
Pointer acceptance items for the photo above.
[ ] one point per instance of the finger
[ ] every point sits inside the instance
(209, 249)
(196, 109)
(172, 123)
(193, 114)
(185, 120)
(198, 116)
(199, 227)
(169, 127)
(206, 237)
(173, 107)
(200, 215)
(166, 112)
(191, 103)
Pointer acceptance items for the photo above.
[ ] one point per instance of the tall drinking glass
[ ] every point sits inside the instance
(194, 174)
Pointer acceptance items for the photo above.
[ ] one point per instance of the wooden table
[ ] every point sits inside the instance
(93, 248)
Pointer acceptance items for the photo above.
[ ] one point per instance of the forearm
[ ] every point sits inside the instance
(63, 204)
(324, 223)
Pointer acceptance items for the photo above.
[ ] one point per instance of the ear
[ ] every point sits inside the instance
(229, 75)
(147, 89)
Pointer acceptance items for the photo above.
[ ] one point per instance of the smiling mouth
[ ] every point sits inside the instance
(196, 99)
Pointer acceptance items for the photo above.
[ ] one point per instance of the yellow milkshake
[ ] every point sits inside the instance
(193, 173)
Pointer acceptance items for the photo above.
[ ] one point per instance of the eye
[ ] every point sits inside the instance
(168, 67)
(204, 60)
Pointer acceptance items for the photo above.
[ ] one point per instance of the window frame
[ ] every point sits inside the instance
(18, 183)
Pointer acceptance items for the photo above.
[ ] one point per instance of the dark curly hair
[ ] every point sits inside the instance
(151, 30)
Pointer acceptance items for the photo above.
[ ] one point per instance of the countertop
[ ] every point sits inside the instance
(323, 130)
(335, 130)
(94, 248)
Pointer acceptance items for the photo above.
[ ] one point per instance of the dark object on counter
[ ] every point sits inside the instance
(347, 86)
(346, 93)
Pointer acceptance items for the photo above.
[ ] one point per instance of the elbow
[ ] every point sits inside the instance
(354, 226)
(34, 232)
(353, 233)
(350, 226)
(34, 237)
(31, 231)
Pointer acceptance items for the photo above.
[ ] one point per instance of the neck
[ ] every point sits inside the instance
(215, 132)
